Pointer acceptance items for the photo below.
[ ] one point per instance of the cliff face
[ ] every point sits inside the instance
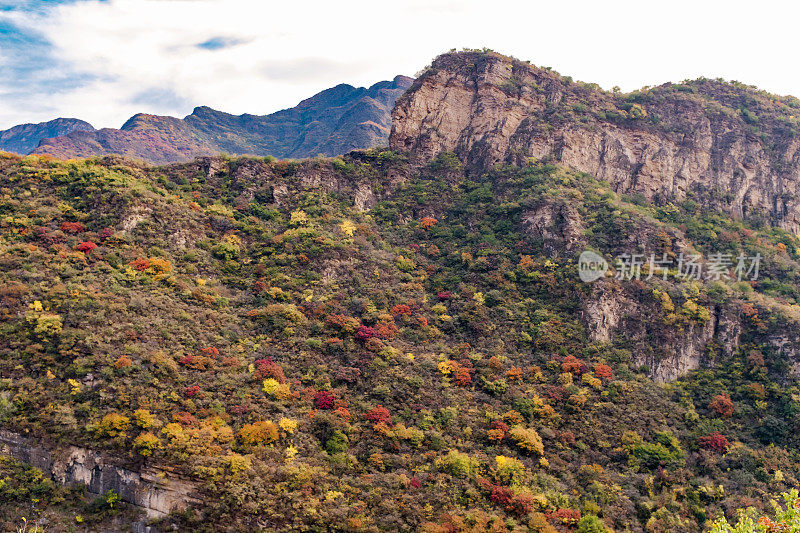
(156, 492)
(332, 122)
(23, 138)
(727, 144)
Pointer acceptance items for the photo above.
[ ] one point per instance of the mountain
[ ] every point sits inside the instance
(22, 139)
(332, 122)
(472, 330)
(732, 146)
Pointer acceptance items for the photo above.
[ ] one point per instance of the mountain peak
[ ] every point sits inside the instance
(23, 138)
(332, 122)
(662, 142)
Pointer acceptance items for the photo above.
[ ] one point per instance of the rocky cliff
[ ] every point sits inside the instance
(23, 138)
(333, 122)
(156, 492)
(729, 145)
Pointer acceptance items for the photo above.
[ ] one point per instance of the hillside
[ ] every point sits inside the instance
(399, 339)
(332, 122)
(22, 139)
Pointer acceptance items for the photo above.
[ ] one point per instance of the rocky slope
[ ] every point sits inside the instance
(22, 139)
(332, 122)
(727, 144)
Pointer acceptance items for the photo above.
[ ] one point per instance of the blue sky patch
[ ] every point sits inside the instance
(218, 43)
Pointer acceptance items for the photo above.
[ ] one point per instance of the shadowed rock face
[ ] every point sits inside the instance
(333, 122)
(155, 491)
(731, 146)
(24, 138)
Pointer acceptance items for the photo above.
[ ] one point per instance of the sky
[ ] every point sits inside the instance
(105, 60)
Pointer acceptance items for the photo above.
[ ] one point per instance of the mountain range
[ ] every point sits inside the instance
(24, 138)
(329, 123)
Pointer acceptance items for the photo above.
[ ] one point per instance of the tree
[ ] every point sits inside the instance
(323, 399)
(258, 433)
(722, 405)
(591, 524)
(112, 425)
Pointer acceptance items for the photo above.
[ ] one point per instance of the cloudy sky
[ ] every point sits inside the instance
(104, 60)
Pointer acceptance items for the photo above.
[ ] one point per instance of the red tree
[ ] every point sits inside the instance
(603, 371)
(378, 414)
(323, 399)
(72, 227)
(715, 442)
(722, 405)
(86, 247)
(365, 332)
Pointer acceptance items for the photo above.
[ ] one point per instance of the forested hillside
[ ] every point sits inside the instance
(362, 344)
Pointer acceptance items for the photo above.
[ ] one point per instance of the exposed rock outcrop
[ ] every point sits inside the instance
(557, 224)
(157, 492)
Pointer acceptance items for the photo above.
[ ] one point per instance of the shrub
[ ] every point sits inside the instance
(602, 371)
(508, 470)
(112, 425)
(379, 414)
(427, 222)
(298, 218)
(573, 365)
(401, 309)
(123, 362)
(45, 324)
(569, 517)
(288, 425)
(140, 264)
(527, 439)
(337, 443)
(86, 247)
(456, 463)
(73, 228)
(323, 399)
(722, 405)
(229, 249)
(342, 322)
(258, 433)
(238, 463)
(591, 524)
(715, 442)
(664, 451)
(267, 368)
(143, 418)
(275, 389)
(146, 444)
(365, 332)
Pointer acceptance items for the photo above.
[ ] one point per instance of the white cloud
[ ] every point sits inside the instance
(273, 54)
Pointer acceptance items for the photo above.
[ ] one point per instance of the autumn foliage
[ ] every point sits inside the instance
(715, 442)
(258, 433)
(323, 399)
(722, 405)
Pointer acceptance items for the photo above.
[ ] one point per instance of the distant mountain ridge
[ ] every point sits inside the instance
(332, 122)
(22, 139)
